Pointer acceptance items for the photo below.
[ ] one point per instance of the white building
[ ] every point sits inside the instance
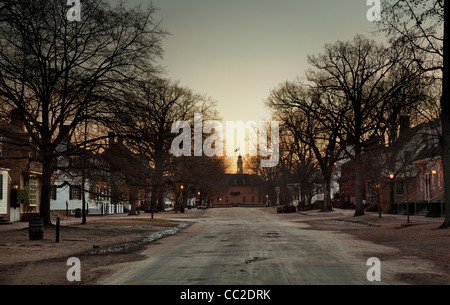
(67, 199)
(67, 191)
(7, 211)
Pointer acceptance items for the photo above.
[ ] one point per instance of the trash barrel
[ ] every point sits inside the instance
(77, 213)
(36, 229)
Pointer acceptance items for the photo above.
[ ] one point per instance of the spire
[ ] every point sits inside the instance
(240, 165)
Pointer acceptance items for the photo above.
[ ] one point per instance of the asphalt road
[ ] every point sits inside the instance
(244, 246)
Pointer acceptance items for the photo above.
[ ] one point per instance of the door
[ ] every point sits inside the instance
(427, 188)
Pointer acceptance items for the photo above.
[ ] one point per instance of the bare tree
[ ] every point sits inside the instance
(145, 117)
(202, 176)
(307, 114)
(421, 26)
(59, 73)
(355, 74)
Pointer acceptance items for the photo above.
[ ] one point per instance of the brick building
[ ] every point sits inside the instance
(17, 160)
(242, 190)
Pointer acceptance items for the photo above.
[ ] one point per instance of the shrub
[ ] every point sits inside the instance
(434, 209)
(18, 196)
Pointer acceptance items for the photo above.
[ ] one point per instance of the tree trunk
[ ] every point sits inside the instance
(46, 182)
(359, 209)
(445, 119)
(154, 198)
(132, 199)
(326, 206)
(160, 200)
(157, 194)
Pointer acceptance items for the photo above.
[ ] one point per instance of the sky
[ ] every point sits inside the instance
(236, 51)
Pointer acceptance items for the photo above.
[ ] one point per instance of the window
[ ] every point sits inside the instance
(243, 198)
(75, 193)
(75, 162)
(53, 193)
(253, 198)
(1, 186)
(32, 191)
(427, 187)
(399, 189)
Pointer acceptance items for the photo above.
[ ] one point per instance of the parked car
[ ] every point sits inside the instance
(286, 208)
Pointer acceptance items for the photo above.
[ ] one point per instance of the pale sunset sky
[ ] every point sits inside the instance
(236, 51)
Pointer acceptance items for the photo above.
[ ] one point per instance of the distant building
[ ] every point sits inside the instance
(242, 190)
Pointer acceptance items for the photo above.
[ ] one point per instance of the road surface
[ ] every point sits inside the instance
(249, 246)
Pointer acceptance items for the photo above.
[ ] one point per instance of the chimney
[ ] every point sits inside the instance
(111, 136)
(404, 124)
(17, 119)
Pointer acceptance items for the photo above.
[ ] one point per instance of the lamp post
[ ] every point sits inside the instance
(378, 187)
(391, 177)
(182, 199)
(277, 189)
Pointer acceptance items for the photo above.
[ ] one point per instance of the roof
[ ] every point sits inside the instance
(121, 159)
(244, 180)
(428, 153)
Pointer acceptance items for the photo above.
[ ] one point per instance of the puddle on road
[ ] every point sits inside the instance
(125, 247)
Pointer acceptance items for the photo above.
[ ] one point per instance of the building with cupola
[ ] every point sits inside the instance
(242, 190)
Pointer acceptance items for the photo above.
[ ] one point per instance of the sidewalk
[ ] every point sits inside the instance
(64, 221)
(350, 213)
(71, 220)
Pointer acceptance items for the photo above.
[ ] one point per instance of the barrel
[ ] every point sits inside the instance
(36, 229)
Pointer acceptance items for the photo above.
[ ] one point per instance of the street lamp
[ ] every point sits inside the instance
(391, 177)
(15, 185)
(182, 203)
